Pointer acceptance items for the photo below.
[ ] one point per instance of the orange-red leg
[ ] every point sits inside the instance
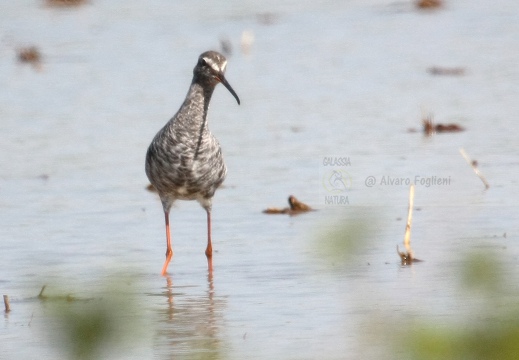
(169, 250)
(209, 249)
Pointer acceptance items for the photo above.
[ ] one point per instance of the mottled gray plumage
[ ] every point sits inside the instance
(184, 161)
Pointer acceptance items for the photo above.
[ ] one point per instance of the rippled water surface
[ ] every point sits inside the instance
(339, 79)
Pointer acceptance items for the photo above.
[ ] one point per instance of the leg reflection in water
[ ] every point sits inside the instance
(191, 322)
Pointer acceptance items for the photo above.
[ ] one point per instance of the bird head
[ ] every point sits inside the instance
(211, 68)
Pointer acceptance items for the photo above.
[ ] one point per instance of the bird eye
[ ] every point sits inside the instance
(202, 62)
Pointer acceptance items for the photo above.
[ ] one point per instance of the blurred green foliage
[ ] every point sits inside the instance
(489, 331)
(91, 327)
(486, 327)
(495, 338)
(341, 241)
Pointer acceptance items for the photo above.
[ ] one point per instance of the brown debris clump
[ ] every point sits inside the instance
(29, 55)
(429, 128)
(65, 3)
(296, 207)
(428, 4)
(444, 71)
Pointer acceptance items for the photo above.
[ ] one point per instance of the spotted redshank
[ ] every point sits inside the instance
(184, 161)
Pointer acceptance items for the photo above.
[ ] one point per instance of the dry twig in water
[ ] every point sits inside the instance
(40, 295)
(6, 303)
(407, 257)
(474, 165)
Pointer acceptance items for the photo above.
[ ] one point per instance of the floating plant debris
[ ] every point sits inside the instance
(446, 71)
(29, 55)
(429, 4)
(295, 207)
(65, 3)
(429, 128)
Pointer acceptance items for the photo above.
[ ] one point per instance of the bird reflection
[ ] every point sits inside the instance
(191, 323)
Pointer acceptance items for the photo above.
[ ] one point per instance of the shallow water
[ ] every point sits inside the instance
(320, 80)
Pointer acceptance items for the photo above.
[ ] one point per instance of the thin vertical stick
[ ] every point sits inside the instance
(474, 167)
(40, 295)
(6, 303)
(407, 236)
(407, 257)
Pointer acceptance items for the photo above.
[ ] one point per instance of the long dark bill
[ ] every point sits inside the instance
(228, 86)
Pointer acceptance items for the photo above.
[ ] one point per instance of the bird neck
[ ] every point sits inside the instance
(196, 104)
